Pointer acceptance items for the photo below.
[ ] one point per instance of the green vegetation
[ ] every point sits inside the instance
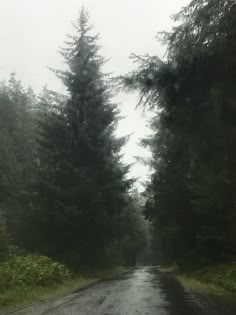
(23, 277)
(82, 184)
(223, 275)
(31, 270)
(30, 278)
(64, 189)
(17, 296)
(217, 279)
(65, 192)
(191, 283)
(191, 194)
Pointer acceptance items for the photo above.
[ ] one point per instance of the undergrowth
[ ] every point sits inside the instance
(30, 278)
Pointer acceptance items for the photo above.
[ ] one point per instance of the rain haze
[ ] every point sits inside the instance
(91, 224)
(32, 31)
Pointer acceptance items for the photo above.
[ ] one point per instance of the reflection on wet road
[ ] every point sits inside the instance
(143, 291)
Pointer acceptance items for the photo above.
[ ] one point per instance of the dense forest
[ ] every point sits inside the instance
(65, 192)
(190, 198)
(67, 202)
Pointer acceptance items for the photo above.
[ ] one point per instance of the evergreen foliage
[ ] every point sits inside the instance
(190, 198)
(82, 187)
(64, 189)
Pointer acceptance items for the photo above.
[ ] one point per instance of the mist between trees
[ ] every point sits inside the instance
(65, 191)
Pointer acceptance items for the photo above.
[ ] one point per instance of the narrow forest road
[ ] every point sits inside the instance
(143, 291)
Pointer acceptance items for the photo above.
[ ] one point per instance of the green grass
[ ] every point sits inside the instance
(222, 275)
(199, 286)
(219, 279)
(18, 294)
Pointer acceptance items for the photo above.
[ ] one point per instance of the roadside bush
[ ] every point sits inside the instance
(31, 270)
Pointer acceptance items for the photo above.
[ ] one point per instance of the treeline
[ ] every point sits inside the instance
(191, 195)
(64, 189)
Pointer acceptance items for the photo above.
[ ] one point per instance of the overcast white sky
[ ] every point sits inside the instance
(31, 32)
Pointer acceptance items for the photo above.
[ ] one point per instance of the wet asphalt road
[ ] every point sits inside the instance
(143, 291)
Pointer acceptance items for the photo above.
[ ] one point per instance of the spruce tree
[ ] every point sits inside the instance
(83, 182)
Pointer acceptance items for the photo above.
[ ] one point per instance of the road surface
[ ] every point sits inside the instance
(143, 291)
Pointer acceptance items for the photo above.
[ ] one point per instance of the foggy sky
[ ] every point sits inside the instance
(31, 32)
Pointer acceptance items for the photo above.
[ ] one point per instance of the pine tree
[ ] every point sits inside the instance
(83, 182)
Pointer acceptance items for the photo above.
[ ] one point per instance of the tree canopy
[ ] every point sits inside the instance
(190, 198)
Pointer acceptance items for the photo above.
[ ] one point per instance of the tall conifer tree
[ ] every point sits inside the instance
(83, 182)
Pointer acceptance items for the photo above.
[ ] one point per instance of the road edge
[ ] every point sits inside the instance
(77, 290)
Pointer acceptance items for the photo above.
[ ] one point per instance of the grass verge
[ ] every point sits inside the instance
(19, 297)
(198, 286)
(217, 279)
